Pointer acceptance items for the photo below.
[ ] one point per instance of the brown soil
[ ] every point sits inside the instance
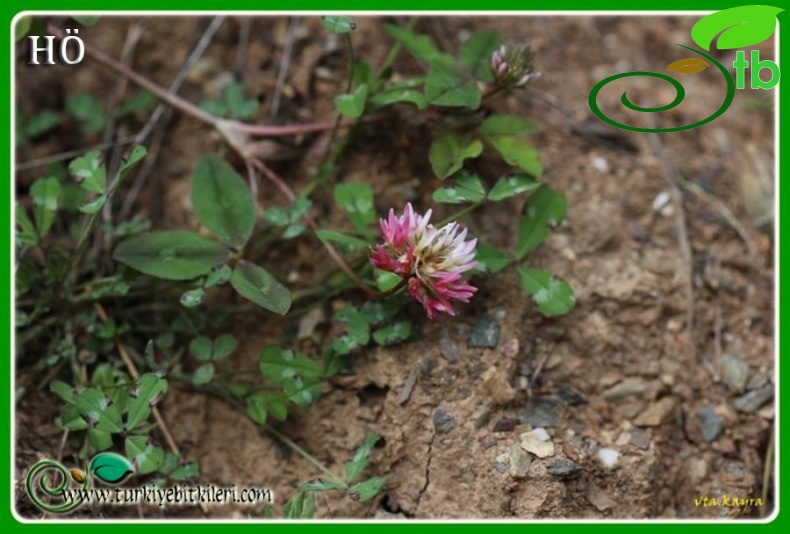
(621, 372)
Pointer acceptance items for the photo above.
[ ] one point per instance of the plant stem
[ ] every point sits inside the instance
(392, 55)
(460, 214)
(304, 454)
(349, 82)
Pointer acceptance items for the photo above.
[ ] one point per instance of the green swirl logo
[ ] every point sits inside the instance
(47, 481)
(739, 27)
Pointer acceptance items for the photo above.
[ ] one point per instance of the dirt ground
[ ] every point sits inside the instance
(643, 415)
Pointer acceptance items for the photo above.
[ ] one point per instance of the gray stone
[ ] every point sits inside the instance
(570, 395)
(543, 411)
(735, 372)
(711, 423)
(506, 424)
(640, 438)
(563, 467)
(427, 365)
(485, 334)
(443, 422)
(752, 401)
(625, 388)
(519, 461)
(448, 348)
(500, 467)
(408, 387)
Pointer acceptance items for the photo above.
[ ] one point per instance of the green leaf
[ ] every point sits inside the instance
(27, 232)
(356, 199)
(256, 408)
(222, 201)
(399, 95)
(420, 46)
(201, 348)
(137, 154)
(393, 333)
(238, 106)
(348, 243)
(352, 105)
(146, 456)
(171, 254)
(357, 325)
(192, 298)
(94, 206)
(45, 193)
(22, 27)
(71, 419)
(491, 259)
(256, 284)
(224, 345)
(90, 170)
(467, 188)
(218, 276)
(143, 102)
(170, 463)
(188, 471)
(448, 153)
(742, 26)
(364, 491)
(356, 465)
(63, 390)
(509, 186)
(203, 374)
(98, 410)
(553, 296)
(110, 467)
(296, 373)
(146, 392)
(41, 123)
(99, 440)
(518, 151)
(320, 484)
(445, 88)
(84, 107)
(500, 124)
(545, 207)
(476, 52)
(386, 280)
(280, 365)
(87, 20)
(339, 23)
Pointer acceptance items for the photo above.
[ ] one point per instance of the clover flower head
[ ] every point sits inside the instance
(430, 260)
(513, 67)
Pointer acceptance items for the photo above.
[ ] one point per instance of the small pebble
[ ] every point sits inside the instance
(485, 334)
(625, 388)
(657, 413)
(640, 438)
(483, 418)
(443, 422)
(661, 201)
(427, 365)
(506, 424)
(519, 461)
(570, 395)
(408, 387)
(599, 164)
(735, 372)
(608, 457)
(562, 467)
(500, 467)
(531, 442)
(711, 423)
(599, 498)
(541, 434)
(543, 411)
(448, 348)
(752, 401)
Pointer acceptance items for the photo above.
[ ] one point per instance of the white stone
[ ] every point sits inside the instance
(608, 457)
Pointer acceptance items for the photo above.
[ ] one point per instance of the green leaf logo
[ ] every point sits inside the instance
(742, 26)
(110, 467)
